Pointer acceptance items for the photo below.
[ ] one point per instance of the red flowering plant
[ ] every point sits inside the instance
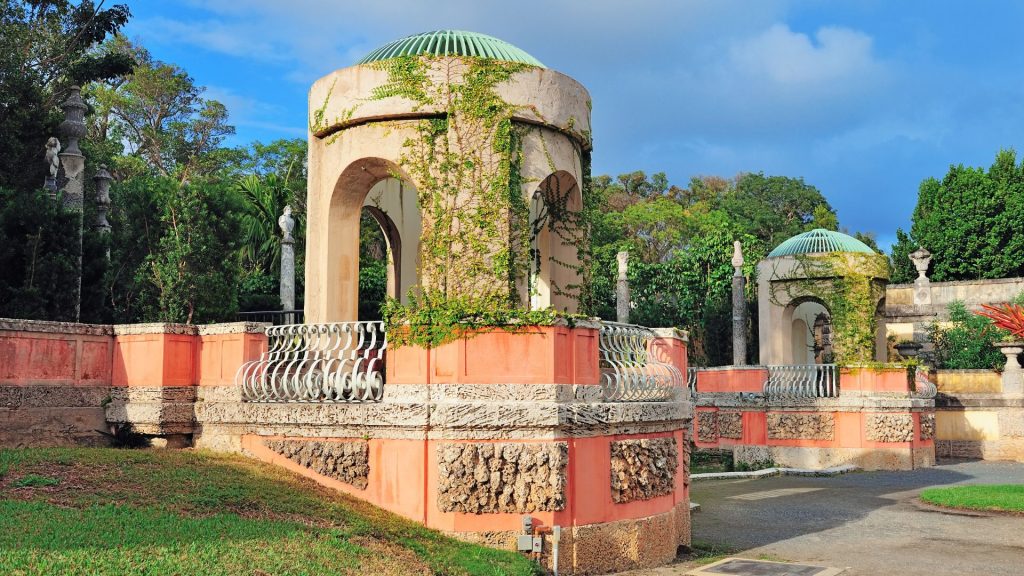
(1006, 316)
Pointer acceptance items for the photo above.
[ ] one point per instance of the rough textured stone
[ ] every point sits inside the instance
(927, 426)
(642, 469)
(783, 425)
(707, 426)
(730, 425)
(890, 427)
(501, 477)
(345, 461)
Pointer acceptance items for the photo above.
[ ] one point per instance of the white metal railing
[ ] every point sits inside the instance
(341, 362)
(923, 386)
(691, 380)
(802, 381)
(629, 372)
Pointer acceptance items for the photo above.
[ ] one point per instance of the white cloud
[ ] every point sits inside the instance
(253, 113)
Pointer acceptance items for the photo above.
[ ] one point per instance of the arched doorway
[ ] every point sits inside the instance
(368, 191)
(809, 323)
(555, 237)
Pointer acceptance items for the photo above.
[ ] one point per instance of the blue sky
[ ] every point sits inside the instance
(863, 99)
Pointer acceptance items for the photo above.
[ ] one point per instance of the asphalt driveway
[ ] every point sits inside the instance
(869, 522)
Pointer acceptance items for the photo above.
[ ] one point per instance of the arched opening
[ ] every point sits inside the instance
(809, 325)
(555, 237)
(368, 194)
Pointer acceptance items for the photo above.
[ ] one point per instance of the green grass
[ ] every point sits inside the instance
(126, 512)
(34, 480)
(996, 497)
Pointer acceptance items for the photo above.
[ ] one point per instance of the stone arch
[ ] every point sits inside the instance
(800, 314)
(393, 204)
(554, 256)
(341, 263)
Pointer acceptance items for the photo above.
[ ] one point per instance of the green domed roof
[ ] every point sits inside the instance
(451, 43)
(819, 241)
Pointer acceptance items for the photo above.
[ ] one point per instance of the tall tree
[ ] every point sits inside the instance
(159, 114)
(972, 221)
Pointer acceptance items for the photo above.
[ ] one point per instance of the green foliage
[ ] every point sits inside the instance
(185, 512)
(373, 288)
(193, 280)
(903, 271)
(966, 344)
(38, 256)
(45, 47)
(774, 208)
(996, 497)
(972, 221)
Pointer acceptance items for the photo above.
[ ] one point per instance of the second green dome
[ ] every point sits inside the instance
(452, 43)
(819, 241)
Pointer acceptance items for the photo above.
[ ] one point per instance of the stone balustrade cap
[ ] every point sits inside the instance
(233, 328)
(156, 328)
(19, 325)
(672, 333)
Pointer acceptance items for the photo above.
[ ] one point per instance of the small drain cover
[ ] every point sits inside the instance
(744, 567)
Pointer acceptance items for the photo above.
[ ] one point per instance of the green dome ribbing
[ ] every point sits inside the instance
(820, 241)
(452, 43)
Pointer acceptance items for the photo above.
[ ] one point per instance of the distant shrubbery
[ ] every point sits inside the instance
(967, 343)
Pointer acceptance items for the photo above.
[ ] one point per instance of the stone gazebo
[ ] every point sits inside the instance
(797, 285)
(366, 122)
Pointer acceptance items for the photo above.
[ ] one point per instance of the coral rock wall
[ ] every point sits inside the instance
(707, 426)
(643, 469)
(891, 427)
(345, 461)
(501, 477)
(801, 426)
(730, 425)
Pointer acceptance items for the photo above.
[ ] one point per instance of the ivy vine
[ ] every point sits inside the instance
(475, 245)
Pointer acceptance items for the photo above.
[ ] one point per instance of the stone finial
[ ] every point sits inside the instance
(921, 259)
(287, 224)
(737, 255)
(102, 179)
(73, 126)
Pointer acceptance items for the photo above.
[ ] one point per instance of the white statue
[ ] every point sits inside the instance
(53, 156)
(287, 224)
(737, 254)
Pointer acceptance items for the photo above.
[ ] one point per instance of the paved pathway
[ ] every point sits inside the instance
(867, 521)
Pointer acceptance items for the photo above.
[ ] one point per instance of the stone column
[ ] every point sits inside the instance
(287, 224)
(1013, 376)
(622, 298)
(71, 158)
(53, 167)
(739, 307)
(922, 285)
(102, 180)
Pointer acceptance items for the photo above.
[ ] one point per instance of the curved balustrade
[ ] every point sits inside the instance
(802, 381)
(923, 386)
(629, 373)
(691, 380)
(341, 362)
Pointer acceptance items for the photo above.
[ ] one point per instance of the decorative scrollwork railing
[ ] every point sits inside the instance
(341, 362)
(691, 380)
(802, 381)
(923, 386)
(629, 372)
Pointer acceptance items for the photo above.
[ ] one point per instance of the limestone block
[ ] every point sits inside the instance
(789, 425)
(730, 425)
(707, 426)
(927, 426)
(642, 469)
(502, 477)
(346, 461)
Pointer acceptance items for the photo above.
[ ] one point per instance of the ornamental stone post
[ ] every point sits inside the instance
(71, 158)
(102, 180)
(922, 285)
(287, 224)
(53, 167)
(1013, 376)
(622, 297)
(739, 307)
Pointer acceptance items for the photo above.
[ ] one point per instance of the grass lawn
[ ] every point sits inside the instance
(999, 497)
(162, 512)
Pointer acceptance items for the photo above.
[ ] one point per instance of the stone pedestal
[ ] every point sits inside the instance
(1013, 375)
